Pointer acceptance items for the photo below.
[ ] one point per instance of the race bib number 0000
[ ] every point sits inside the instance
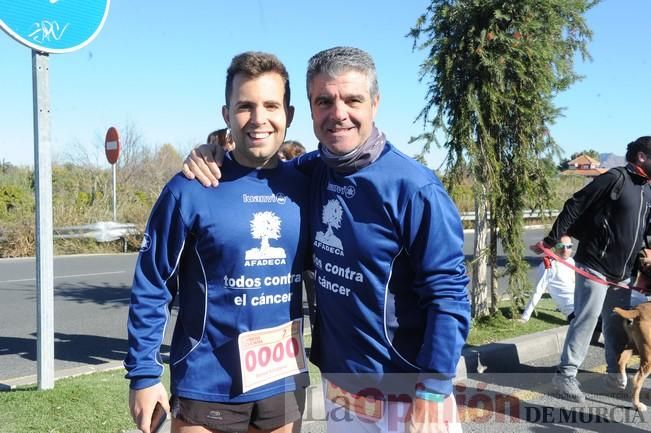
(267, 355)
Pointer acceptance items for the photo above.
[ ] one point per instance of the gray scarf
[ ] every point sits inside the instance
(363, 155)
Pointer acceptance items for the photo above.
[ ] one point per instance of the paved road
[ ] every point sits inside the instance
(524, 401)
(91, 297)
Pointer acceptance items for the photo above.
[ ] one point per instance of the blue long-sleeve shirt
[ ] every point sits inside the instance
(390, 278)
(233, 257)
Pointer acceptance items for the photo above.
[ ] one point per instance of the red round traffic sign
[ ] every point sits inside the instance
(112, 145)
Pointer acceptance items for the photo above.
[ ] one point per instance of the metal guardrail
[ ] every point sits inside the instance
(103, 231)
(528, 214)
(107, 231)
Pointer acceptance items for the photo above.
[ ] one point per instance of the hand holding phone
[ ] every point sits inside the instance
(158, 418)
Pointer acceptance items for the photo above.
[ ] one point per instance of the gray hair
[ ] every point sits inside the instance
(335, 61)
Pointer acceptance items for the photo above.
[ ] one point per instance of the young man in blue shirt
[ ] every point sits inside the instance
(233, 257)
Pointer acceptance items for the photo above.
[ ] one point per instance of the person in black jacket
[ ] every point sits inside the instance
(610, 217)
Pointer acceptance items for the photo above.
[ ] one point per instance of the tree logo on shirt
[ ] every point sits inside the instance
(265, 226)
(331, 216)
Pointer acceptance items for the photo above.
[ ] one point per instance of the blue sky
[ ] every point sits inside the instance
(161, 67)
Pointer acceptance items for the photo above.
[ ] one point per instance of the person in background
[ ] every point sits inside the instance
(557, 279)
(290, 150)
(610, 216)
(221, 137)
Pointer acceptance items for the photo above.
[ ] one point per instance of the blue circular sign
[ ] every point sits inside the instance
(53, 26)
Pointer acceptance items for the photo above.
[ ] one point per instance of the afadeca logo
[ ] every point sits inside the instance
(265, 226)
(331, 216)
(347, 191)
(271, 198)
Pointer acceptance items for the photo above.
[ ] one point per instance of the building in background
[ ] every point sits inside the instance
(583, 165)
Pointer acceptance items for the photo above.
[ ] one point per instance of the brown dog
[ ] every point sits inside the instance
(638, 329)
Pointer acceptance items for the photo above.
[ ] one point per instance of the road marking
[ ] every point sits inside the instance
(65, 276)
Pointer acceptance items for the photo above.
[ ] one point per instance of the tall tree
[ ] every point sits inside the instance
(493, 68)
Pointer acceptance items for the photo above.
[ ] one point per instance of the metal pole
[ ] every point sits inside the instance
(44, 236)
(114, 193)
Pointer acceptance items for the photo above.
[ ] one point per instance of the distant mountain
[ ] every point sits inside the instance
(610, 160)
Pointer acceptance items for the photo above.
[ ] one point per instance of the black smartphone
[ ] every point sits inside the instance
(158, 418)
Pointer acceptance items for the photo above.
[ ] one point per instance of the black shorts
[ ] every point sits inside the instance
(266, 414)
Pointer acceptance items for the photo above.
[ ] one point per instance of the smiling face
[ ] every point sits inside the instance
(342, 110)
(258, 118)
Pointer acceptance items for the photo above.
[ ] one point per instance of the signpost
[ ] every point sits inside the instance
(112, 150)
(48, 26)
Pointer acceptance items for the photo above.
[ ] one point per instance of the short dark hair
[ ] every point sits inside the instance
(253, 64)
(642, 144)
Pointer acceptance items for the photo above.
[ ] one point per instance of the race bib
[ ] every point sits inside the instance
(267, 355)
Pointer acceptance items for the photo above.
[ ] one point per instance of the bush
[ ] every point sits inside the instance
(18, 240)
(83, 194)
(15, 202)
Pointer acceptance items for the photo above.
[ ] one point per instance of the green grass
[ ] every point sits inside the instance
(94, 403)
(502, 325)
(98, 403)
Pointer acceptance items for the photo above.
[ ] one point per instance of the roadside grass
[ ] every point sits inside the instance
(502, 326)
(98, 402)
(93, 403)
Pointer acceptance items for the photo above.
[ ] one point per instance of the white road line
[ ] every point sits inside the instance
(65, 276)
